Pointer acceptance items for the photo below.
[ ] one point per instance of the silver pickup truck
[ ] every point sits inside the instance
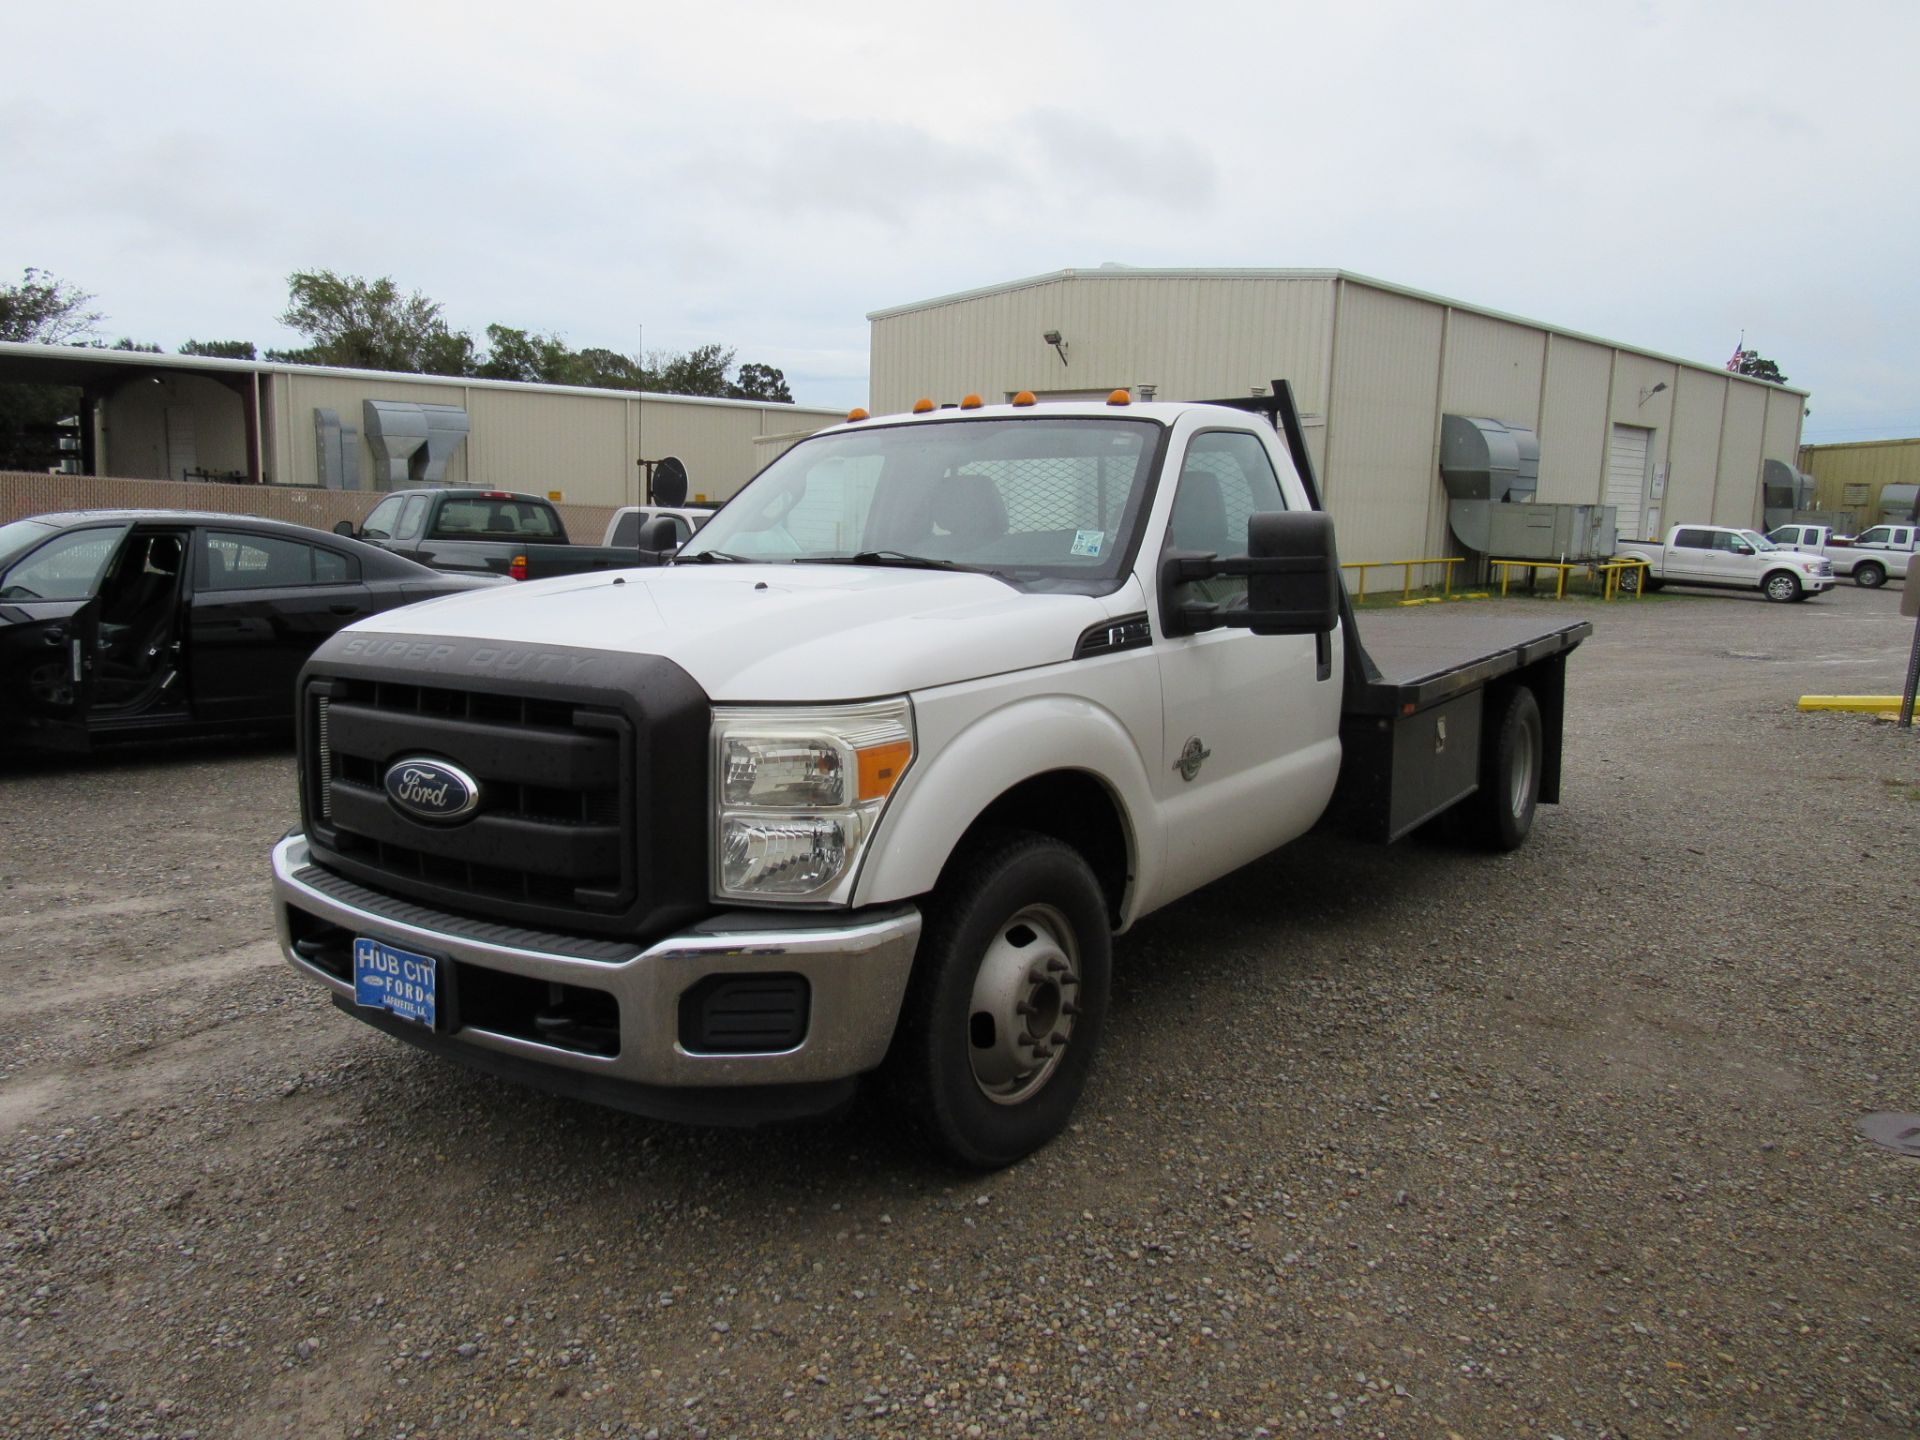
(1726, 558)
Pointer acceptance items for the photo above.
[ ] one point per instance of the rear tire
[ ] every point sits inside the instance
(1870, 575)
(1781, 586)
(1003, 1014)
(1512, 753)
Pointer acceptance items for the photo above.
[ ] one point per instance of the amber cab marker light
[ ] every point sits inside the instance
(922, 405)
(971, 402)
(1025, 397)
(1119, 397)
(856, 414)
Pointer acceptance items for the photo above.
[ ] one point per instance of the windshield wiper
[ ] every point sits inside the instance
(713, 557)
(897, 558)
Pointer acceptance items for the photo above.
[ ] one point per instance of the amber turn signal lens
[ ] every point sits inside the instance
(880, 767)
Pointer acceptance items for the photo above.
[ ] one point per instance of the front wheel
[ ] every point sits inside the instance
(1512, 755)
(1001, 1020)
(1870, 575)
(1781, 586)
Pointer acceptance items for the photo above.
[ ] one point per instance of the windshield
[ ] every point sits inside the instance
(1757, 540)
(1045, 504)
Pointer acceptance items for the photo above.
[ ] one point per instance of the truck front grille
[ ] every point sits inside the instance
(555, 828)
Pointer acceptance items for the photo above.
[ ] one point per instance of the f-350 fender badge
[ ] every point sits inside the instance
(1192, 757)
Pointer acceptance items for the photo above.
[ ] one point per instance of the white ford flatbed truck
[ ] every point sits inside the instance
(1725, 557)
(866, 779)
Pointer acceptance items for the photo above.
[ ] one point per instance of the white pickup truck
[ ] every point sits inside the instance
(868, 776)
(1876, 555)
(1723, 557)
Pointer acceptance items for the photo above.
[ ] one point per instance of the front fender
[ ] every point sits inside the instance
(960, 774)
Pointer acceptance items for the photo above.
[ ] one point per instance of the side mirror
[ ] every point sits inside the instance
(343, 527)
(1292, 573)
(1740, 547)
(659, 534)
(1294, 588)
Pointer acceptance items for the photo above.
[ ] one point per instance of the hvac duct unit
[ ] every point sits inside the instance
(1900, 504)
(336, 449)
(1553, 532)
(1784, 493)
(395, 429)
(1485, 464)
(446, 433)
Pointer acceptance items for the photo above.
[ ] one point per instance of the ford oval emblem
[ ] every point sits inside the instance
(431, 789)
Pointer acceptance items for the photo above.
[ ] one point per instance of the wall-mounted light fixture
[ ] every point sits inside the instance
(1052, 337)
(1646, 395)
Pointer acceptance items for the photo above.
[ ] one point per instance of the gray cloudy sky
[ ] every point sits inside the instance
(762, 175)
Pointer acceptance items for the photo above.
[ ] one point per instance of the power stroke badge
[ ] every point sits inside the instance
(431, 789)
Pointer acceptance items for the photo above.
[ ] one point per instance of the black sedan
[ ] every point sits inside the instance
(122, 624)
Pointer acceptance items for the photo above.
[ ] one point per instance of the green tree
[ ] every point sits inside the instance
(760, 382)
(221, 349)
(370, 325)
(701, 371)
(1754, 364)
(127, 342)
(45, 309)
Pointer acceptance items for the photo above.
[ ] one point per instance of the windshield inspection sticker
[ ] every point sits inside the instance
(1087, 542)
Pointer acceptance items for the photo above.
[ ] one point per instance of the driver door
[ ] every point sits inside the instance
(49, 632)
(1251, 735)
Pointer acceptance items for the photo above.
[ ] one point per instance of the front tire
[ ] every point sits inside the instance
(1870, 575)
(1003, 1015)
(1782, 587)
(1512, 754)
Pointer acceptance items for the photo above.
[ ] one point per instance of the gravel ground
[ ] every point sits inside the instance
(1400, 1142)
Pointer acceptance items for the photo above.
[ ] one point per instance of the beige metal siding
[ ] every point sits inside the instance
(1190, 338)
(1573, 422)
(1736, 495)
(1782, 429)
(1492, 369)
(343, 395)
(1693, 449)
(1382, 483)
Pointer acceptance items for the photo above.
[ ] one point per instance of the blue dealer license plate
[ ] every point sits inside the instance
(397, 980)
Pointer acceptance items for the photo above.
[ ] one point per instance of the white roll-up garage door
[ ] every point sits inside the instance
(1627, 479)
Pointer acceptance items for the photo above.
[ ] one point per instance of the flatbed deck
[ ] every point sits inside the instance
(1424, 654)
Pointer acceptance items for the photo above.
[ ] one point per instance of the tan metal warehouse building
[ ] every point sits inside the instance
(1374, 367)
(181, 417)
(1875, 480)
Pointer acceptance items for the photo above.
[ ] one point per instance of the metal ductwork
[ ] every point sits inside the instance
(411, 442)
(1784, 493)
(395, 429)
(446, 433)
(337, 450)
(1900, 504)
(1484, 463)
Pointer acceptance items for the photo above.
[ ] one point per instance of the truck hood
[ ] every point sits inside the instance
(777, 632)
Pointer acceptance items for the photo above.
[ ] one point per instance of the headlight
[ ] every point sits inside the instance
(798, 793)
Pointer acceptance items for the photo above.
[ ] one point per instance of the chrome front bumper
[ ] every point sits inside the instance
(856, 969)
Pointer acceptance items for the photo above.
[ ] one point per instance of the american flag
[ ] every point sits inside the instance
(1738, 350)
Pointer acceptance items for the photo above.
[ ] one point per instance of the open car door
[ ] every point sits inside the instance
(50, 603)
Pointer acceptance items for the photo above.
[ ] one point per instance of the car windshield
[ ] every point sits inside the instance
(1044, 503)
(1757, 540)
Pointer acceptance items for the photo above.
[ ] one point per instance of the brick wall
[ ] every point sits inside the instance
(24, 493)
